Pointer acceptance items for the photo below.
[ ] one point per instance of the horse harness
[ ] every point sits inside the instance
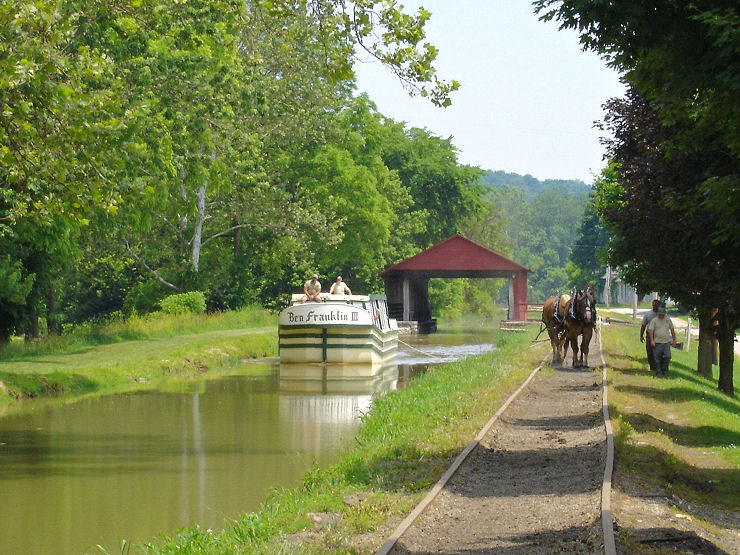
(577, 317)
(556, 311)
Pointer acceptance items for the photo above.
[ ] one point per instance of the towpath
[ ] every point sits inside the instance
(533, 483)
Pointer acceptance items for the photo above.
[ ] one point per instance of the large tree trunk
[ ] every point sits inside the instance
(32, 327)
(52, 325)
(727, 326)
(704, 358)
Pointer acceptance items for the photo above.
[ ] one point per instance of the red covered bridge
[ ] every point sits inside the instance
(407, 283)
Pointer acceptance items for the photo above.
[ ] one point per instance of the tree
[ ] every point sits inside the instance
(63, 139)
(61, 129)
(588, 257)
(444, 192)
(664, 238)
(233, 119)
(676, 142)
(186, 132)
(682, 56)
(15, 287)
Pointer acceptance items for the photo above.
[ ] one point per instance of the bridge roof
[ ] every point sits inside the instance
(457, 256)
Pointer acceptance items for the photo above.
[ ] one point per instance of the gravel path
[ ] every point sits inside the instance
(533, 484)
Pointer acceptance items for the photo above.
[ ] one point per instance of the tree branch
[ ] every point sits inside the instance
(151, 270)
(238, 226)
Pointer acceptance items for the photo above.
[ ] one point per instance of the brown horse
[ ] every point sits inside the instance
(580, 319)
(553, 316)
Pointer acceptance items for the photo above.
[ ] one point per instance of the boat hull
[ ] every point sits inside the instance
(335, 332)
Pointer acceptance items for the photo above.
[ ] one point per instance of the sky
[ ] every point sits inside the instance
(529, 95)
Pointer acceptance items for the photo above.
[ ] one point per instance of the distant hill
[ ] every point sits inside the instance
(532, 185)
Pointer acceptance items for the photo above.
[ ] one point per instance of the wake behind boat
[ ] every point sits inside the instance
(343, 329)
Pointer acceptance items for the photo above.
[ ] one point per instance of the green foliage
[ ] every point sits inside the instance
(444, 193)
(481, 295)
(97, 285)
(543, 230)
(144, 297)
(14, 290)
(183, 303)
(177, 120)
(530, 185)
(447, 297)
(14, 286)
(401, 46)
(657, 186)
(682, 56)
(62, 127)
(371, 185)
(488, 227)
(37, 257)
(168, 146)
(588, 256)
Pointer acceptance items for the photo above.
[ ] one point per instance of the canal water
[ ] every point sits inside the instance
(131, 466)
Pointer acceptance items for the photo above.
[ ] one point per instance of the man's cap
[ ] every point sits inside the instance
(315, 276)
(339, 277)
(661, 310)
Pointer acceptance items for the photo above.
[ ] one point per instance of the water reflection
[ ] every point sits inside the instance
(355, 379)
(131, 466)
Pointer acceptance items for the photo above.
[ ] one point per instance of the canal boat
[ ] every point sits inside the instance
(346, 329)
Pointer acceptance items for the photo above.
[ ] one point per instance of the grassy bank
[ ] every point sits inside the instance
(135, 353)
(676, 437)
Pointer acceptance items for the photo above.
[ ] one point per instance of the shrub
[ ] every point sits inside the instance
(144, 298)
(194, 301)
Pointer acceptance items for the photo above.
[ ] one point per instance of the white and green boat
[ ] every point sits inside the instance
(344, 329)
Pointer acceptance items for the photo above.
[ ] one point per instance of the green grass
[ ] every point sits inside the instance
(110, 360)
(680, 434)
(153, 326)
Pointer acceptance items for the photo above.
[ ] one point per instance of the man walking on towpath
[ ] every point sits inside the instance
(662, 336)
(649, 316)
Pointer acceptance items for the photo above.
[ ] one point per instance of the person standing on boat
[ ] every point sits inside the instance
(312, 290)
(339, 287)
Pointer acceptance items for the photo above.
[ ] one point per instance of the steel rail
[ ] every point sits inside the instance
(607, 517)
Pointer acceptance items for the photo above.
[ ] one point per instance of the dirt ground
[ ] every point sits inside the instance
(533, 486)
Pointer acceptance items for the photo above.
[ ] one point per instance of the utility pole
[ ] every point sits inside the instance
(608, 286)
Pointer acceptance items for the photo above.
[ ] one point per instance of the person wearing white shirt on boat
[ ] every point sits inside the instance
(312, 290)
(339, 287)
